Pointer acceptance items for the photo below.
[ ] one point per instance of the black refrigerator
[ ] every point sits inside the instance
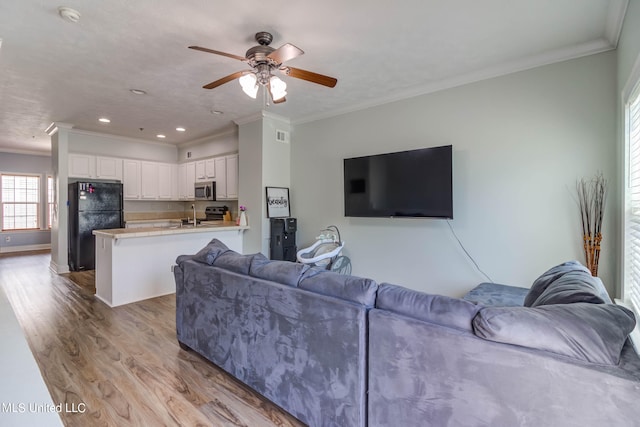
(93, 205)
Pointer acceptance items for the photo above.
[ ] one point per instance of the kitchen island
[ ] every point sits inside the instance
(133, 264)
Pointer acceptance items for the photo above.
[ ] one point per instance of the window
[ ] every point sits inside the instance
(20, 202)
(50, 201)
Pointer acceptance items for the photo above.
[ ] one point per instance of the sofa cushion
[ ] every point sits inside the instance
(588, 332)
(442, 310)
(210, 252)
(350, 288)
(493, 294)
(285, 272)
(578, 272)
(234, 261)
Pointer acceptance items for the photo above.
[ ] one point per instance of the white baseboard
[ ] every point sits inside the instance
(25, 248)
(58, 269)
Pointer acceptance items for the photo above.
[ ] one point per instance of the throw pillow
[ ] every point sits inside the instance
(592, 333)
(575, 286)
(548, 277)
(210, 252)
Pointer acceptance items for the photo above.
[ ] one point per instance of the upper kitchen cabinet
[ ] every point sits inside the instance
(149, 180)
(109, 168)
(167, 181)
(226, 177)
(131, 179)
(82, 165)
(95, 167)
(205, 170)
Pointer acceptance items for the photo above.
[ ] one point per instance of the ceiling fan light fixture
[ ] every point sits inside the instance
(278, 88)
(249, 84)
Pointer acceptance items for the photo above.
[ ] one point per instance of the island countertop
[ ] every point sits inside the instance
(203, 227)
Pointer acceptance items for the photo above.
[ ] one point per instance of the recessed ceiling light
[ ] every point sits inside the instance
(180, 129)
(216, 112)
(138, 91)
(104, 120)
(69, 14)
(161, 136)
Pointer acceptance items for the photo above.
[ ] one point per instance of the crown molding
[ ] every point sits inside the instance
(55, 126)
(511, 67)
(123, 138)
(615, 19)
(26, 152)
(231, 130)
(261, 115)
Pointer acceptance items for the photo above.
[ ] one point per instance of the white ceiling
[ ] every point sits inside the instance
(52, 70)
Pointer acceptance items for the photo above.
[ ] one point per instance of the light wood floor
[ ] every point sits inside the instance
(123, 363)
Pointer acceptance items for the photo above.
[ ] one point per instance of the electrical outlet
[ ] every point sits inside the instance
(7, 239)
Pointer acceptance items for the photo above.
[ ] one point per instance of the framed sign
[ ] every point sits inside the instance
(278, 202)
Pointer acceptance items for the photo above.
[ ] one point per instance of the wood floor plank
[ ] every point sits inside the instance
(122, 365)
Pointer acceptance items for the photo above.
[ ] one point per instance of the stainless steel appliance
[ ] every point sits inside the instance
(93, 205)
(215, 213)
(205, 190)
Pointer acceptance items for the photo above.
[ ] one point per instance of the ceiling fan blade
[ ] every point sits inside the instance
(217, 52)
(224, 80)
(309, 76)
(285, 53)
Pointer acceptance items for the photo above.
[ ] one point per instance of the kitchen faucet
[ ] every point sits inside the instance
(193, 206)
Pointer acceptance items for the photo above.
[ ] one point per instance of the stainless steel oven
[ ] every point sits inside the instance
(205, 190)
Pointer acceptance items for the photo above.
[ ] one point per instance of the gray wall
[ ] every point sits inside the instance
(520, 143)
(28, 164)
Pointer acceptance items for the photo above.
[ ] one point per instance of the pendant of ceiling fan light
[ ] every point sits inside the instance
(69, 14)
(278, 88)
(249, 84)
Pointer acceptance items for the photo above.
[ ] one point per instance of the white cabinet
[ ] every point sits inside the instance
(131, 179)
(109, 168)
(149, 180)
(201, 170)
(190, 180)
(221, 179)
(226, 177)
(210, 168)
(82, 165)
(205, 170)
(182, 181)
(232, 176)
(167, 181)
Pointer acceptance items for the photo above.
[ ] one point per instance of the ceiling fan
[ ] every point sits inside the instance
(264, 61)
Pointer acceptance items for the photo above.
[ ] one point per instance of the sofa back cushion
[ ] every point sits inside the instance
(234, 261)
(351, 288)
(588, 332)
(285, 272)
(442, 310)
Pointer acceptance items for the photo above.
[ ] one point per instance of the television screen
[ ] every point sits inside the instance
(415, 183)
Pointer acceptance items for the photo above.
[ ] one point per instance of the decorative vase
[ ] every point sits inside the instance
(243, 219)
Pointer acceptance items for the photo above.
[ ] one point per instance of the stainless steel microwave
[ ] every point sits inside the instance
(205, 190)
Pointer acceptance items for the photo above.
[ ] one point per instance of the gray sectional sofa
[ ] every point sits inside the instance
(342, 351)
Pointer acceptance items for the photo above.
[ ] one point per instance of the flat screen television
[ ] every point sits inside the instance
(415, 183)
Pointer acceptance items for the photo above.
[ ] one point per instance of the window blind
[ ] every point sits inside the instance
(631, 291)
